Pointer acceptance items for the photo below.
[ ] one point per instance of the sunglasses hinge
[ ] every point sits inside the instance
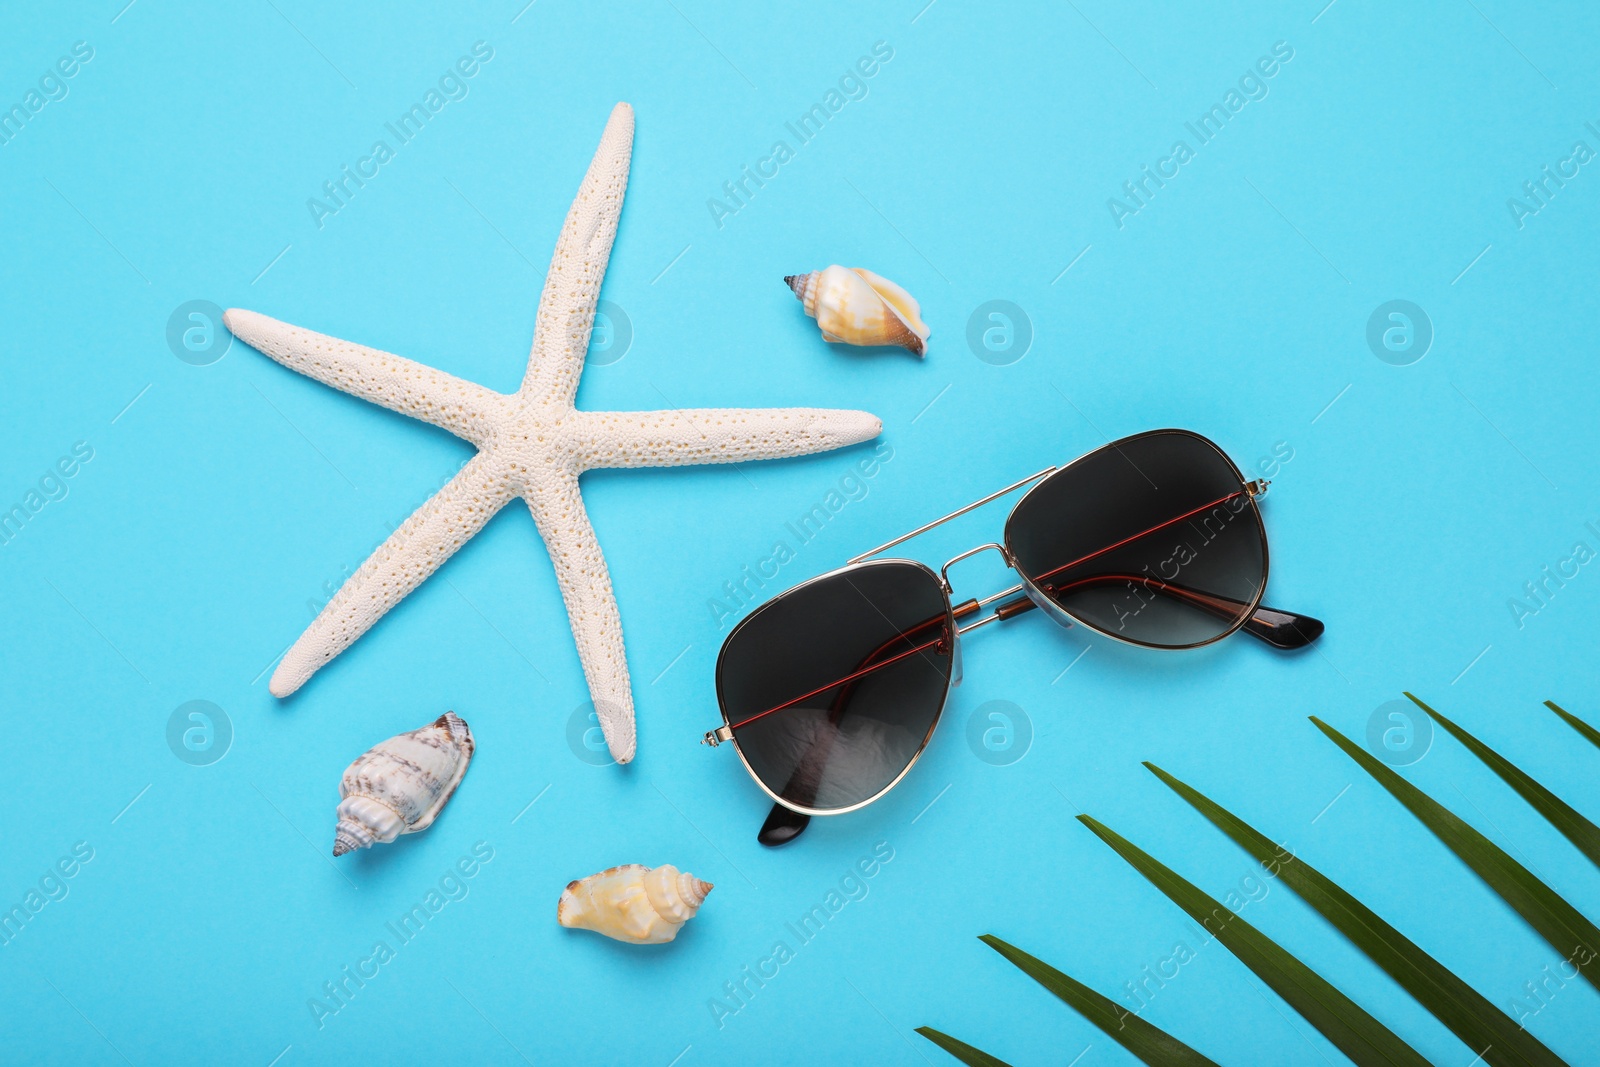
(1258, 488)
(717, 736)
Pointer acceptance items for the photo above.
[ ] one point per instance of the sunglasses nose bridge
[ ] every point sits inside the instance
(944, 572)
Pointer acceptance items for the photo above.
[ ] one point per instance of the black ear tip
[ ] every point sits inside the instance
(1308, 628)
(782, 826)
(1283, 629)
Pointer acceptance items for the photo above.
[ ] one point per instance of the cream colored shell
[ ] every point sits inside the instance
(633, 903)
(854, 306)
(400, 785)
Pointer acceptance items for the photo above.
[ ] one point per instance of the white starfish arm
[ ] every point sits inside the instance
(715, 435)
(585, 583)
(566, 309)
(388, 380)
(415, 550)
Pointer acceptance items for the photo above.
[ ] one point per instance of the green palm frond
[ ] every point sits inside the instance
(1366, 1041)
(972, 1057)
(1151, 1045)
(1573, 826)
(1558, 922)
(1497, 1039)
(1589, 732)
(1495, 1036)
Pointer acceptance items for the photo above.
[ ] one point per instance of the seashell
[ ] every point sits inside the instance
(400, 786)
(633, 903)
(857, 307)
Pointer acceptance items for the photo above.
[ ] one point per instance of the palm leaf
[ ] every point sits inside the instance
(1589, 732)
(1501, 1042)
(1558, 922)
(1153, 1046)
(972, 1057)
(1358, 1035)
(1573, 826)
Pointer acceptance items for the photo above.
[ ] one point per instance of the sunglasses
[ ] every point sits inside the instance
(830, 691)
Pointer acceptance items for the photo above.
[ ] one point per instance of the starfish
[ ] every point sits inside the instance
(532, 444)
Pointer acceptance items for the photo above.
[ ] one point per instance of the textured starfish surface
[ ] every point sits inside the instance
(532, 444)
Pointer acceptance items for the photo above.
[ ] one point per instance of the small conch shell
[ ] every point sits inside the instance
(857, 307)
(633, 903)
(400, 786)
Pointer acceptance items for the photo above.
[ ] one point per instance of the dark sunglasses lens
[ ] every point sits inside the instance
(1153, 539)
(833, 688)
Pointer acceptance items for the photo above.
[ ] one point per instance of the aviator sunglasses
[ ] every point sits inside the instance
(830, 691)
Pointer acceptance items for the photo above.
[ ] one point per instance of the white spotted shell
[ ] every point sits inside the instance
(633, 903)
(400, 786)
(857, 307)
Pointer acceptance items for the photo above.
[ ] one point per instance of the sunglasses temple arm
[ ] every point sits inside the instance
(1280, 629)
(782, 826)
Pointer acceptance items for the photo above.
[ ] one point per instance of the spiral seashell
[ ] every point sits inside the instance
(854, 306)
(400, 786)
(633, 903)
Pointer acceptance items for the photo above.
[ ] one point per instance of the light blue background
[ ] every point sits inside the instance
(182, 560)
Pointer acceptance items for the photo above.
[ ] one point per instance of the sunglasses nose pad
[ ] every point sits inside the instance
(1044, 603)
(955, 664)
